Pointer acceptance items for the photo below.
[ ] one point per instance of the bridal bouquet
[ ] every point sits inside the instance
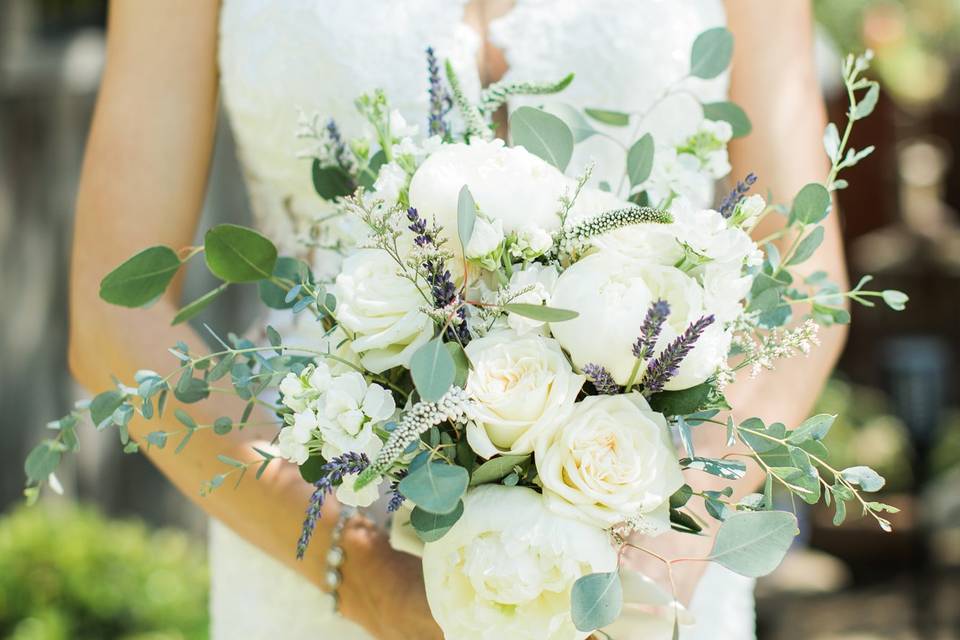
(516, 360)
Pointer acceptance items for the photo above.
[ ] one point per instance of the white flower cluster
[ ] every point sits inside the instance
(331, 413)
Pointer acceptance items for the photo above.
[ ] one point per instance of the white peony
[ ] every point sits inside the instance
(506, 568)
(519, 385)
(381, 310)
(537, 282)
(612, 294)
(611, 459)
(509, 184)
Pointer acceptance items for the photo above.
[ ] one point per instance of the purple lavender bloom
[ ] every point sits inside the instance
(736, 195)
(650, 329)
(333, 472)
(419, 226)
(440, 100)
(396, 498)
(601, 379)
(339, 147)
(664, 367)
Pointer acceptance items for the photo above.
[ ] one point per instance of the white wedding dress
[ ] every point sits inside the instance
(277, 57)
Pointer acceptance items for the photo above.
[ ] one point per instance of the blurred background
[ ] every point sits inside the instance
(120, 555)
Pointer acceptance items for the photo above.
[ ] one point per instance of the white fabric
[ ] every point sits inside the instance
(318, 55)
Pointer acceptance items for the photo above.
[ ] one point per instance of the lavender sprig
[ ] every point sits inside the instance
(601, 379)
(665, 366)
(440, 101)
(736, 195)
(334, 470)
(650, 329)
(339, 147)
(396, 498)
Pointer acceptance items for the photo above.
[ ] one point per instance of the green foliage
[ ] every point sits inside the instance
(730, 113)
(681, 403)
(430, 527)
(612, 118)
(293, 271)
(466, 216)
(331, 182)
(198, 305)
(542, 134)
(435, 486)
(141, 279)
(540, 312)
(72, 575)
(811, 205)
(573, 118)
(496, 469)
(711, 53)
(753, 543)
(640, 160)
(239, 254)
(596, 600)
(433, 370)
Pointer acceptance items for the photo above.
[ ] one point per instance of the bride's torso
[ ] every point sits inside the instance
(277, 58)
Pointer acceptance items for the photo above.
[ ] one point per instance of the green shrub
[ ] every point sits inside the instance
(71, 574)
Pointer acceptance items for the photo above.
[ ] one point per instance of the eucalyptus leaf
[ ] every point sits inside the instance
(811, 205)
(869, 102)
(864, 477)
(807, 247)
(141, 279)
(612, 118)
(435, 487)
(542, 134)
(540, 312)
(753, 543)
(430, 527)
(103, 405)
(41, 462)
(596, 600)
(286, 268)
(711, 53)
(896, 300)
(433, 370)
(239, 254)
(460, 363)
(640, 160)
(813, 428)
(683, 402)
(573, 118)
(331, 182)
(495, 469)
(157, 439)
(466, 216)
(831, 142)
(198, 305)
(731, 113)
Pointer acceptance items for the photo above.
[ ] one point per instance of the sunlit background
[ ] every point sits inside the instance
(120, 555)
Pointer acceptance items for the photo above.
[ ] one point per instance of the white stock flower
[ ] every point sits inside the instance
(381, 310)
(399, 127)
(506, 568)
(538, 282)
(611, 459)
(709, 234)
(362, 498)
(530, 243)
(519, 385)
(333, 413)
(612, 294)
(748, 211)
(509, 184)
(389, 183)
(486, 243)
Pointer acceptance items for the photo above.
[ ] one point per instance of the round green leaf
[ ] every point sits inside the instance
(435, 487)
(813, 428)
(239, 254)
(683, 402)
(430, 527)
(896, 300)
(496, 469)
(41, 462)
(711, 53)
(573, 118)
(433, 370)
(286, 268)
(753, 543)
(596, 600)
(811, 205)
(103, 405)
(640, 160)
(331, 182)
(864, 477)
(729, 112)
(141, 279)
(542, 134)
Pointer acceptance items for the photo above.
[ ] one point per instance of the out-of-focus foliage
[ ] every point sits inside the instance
(70, 574)
(866, 433)
(915, 41)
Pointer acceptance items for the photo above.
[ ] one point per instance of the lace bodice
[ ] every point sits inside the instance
(277, 58)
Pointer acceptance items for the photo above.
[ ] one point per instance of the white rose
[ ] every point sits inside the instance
(612, 294)
(363, 498)
(610, 460)
(389, 183)
(506, 568)
(486, 243)
(539, 281)
(519, 386)
(507, 183)
(381, 309)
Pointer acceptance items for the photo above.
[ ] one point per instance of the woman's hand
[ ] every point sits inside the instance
(382, 589)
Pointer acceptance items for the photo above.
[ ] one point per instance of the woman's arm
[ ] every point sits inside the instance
(143, 183)
(774, 79)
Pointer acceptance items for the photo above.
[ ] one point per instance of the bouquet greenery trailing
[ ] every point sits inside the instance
(513, 356)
